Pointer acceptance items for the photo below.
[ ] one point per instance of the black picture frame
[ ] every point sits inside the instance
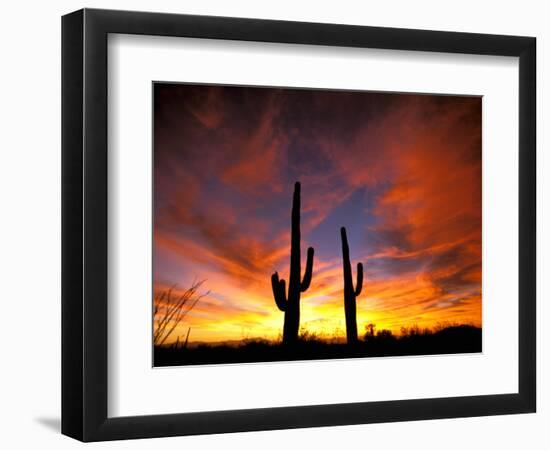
(84, 224)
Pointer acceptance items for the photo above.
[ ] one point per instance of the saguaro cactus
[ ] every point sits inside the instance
(290, 304)
(350, 293)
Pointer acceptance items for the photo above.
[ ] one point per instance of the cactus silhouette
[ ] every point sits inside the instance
(290, 304)
(350, 293)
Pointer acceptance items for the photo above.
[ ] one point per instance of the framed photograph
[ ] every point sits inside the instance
(266, 224)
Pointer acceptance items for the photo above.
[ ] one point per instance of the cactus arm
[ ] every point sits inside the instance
(306, 281)
(279, 291)
(282, 291)
(359, 284)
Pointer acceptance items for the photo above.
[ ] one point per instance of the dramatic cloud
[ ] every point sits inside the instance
(401, 172)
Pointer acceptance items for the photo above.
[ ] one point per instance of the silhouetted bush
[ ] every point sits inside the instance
(169, 310)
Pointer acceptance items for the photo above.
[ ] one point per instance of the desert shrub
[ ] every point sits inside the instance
(169, 310)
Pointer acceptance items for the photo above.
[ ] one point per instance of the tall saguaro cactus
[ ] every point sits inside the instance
(290, 304)
(350, 293)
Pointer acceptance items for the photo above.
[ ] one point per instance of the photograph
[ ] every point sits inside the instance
(314, 224)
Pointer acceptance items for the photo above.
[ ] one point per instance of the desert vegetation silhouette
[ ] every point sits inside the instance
(350, 292)
(169, 310)
(290, 304)
(445, 338)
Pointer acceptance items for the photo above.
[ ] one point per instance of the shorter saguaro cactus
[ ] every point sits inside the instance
(350, 293)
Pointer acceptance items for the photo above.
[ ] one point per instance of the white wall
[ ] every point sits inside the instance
(30, 225)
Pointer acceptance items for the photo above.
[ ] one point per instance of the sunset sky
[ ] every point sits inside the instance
(401, 172)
